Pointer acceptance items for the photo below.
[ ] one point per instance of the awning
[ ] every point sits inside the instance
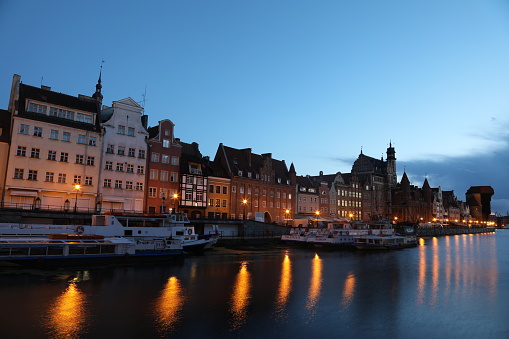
(23, 193)
(112, 199)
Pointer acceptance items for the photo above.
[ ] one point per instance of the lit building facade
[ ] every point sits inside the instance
(55, 144)
(124, 157)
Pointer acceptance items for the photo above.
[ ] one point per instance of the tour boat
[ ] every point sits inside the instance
(384, 242)
(165, 230)
(62, 248)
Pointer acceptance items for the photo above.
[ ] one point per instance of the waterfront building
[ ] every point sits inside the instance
(219, 195)
(192, 198)
(479, 200)
(124, 151)
(5, 141)
(410, 203)
(451, 206)
(163, 168)
(55, 145)
(261, 187)
(307, 197)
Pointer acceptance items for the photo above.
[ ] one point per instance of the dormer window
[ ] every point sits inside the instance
(166, 143)
(240, 173)
(249, 174)
(278, 180)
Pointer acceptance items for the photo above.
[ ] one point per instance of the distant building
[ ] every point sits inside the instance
(261, 187)
(479, 201)
(55, 144)
(124, 161)
(193, 181)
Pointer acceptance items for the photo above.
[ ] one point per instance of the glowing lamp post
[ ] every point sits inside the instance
(175, 198)
(244, 202)
(317, 214)
(77, 188)
(287, 215)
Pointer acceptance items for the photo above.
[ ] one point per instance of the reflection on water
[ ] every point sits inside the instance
(240, 297)
(68, 315)
(348, 290)
(169, 305)
(285, 287)
(314, 286)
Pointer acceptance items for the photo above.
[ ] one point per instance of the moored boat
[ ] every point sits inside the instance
(384, 242)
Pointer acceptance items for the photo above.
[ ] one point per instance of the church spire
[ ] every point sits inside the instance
(98, 95)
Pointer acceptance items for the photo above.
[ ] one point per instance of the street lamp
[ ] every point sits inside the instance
(175, 198)
(244, 202)
(77, 188)
(317, 214)
(287, 215)
(163, 210)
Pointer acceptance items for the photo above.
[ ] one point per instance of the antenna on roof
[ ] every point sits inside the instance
(144, 100)
(41, 80)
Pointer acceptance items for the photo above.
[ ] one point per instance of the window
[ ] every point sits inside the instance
(211, 188)
(121, 129)
(128, 185)
(154, 157)
(81, 139)
(109, 166)
(167, 132)
(166, 143)
(121, 150)
(66, 136)
(211, 202)
(35, 153)
(131, 152)
(174, 160)
(107, 183)
(49, 176)
(37, 108)
(118, 183)
(139, 186)
(199, 196)
(141, 169)
(79, 159)
(88, 181)
(189, 195)
(130, 131)
(64, 157)
(110, 149)
(224, 203)
(218, 189)
(61, 113)
(120, 167)
(218, 202)
(239, 173)
(53, 134)
(153, 174)
(141, 154)
(84, 118)
(234, 189)
(164, 176)
(189, 180)
(90, 161)
(32, 175)
(77, 179)
(173, 176)
(241, 190)
(37, 131)
(62, 178)
(152, 192)
(165, 159)
(130, 168)
(92, 141)
(22, 151)
(163, 193)
(52, 155)
(23, 129)
(225, 189)
(18, 173)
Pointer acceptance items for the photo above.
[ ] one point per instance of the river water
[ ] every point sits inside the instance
(448, 287)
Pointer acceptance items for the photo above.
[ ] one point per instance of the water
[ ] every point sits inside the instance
(449, 287)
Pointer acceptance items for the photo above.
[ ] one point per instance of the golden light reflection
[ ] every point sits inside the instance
(169, 306)
(241, 296)
(285, 286)
(68, 315)
(348, 290)
(315, 284)
(435, 271)
(422, 268)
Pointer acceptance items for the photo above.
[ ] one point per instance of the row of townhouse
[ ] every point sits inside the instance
(63, 152)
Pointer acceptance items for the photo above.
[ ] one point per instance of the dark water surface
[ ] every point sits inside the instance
(449, 287)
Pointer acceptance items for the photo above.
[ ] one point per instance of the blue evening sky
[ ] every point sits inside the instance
(311, 82)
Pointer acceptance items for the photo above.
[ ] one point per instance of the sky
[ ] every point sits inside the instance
(312, 82)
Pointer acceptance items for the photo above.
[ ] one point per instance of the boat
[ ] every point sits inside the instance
(384, 242)
(148, 231)
(62, 249)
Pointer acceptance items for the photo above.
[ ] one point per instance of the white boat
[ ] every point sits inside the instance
(384, 242)
(149, 232)
(73, 249)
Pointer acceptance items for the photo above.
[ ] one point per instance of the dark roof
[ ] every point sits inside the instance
(305, 181)
(45, 95)
(5, 125)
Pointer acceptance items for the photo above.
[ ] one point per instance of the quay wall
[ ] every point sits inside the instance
(435, 232)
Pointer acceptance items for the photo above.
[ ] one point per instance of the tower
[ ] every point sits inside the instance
(391, 166)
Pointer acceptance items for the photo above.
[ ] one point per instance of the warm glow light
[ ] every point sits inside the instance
(68, 316)
(175, 196)
(244, 201)
(77, 186)
(348, 290)
(315, 285)
(169, 306)
(285, 286)
(241, 296)
(317, 213)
